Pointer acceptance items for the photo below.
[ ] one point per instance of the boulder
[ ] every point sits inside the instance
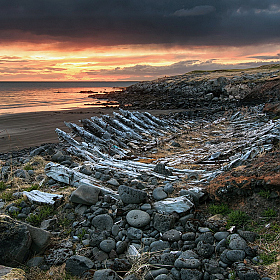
(15, 241)
(85, 195)
(77, 265)
(130, 195)
(138, 218)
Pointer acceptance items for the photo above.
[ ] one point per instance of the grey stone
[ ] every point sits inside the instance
(129, 195)
(40, 239)
(113, 182)
(134, 233)
(178, 204)
(187, 263)
(175, 273)
(99, 255)
(121, 247)
(77, 265)
(188, 236)
(37, 151)
(147, 241)
(130, 277)
(58, 157)
(107, 245)
(85, 194)
(163, 277)
(146, 207)
(191, 274)
(159, 193)
(221, 235)
(35, 262)
(159, 246)
(163, 223)
(13, 209)
(96, 238)
(48, 224)
(138, 218)
(162, 169)
(85, 169)
(168, 188)
(15, 241)
(171, 235)
(235, 255)
(105, 274)
(115, 230)
(152, 274)
(103, 222)
(247, 235)
(206, 237)
(237, 242)
(167, 259)
(20, 173)
(205, 249)
(189, 254)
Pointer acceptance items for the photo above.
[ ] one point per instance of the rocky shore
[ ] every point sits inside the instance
(188, 195)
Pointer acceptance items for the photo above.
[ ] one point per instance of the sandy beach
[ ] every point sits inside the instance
(19, 131)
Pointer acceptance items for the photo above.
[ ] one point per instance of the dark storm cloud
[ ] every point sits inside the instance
(114, 22)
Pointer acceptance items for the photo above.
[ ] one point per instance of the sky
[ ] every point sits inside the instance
(107, 40)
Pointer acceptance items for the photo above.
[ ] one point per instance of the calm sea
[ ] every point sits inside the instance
(21, 97)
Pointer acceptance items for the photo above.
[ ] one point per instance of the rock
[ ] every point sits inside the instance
(163, 223)
(134, 233)
(237, 242)
(178, 204)
(40, 239)
(168, 188)
(138, 218)
(205, 249)
(113, 182)
(159, 246)
(48, 224)
(163, 277)
(105, 274)
(37, 151)
(191, 274)
(20, 173)
(35, 262)
(154, 273)
(77, 265)
(206, 237)
(187, 263)
(129, 195)
(235, 255)
(162, 169)
(171, 235)
(58, 157)
(221, 235)
(85, 169)
(85, 195)
(103, 222)
(159, 193)
(15, 241)
(107, 245)
(247, 235)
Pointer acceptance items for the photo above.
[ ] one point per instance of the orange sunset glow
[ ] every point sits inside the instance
(140, 41)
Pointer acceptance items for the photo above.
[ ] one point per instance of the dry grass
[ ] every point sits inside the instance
(54, 273)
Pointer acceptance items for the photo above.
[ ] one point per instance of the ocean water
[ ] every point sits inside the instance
(22, 97)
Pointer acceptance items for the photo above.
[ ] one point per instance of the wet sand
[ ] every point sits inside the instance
(18, 131)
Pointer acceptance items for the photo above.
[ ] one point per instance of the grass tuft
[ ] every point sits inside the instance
(237, 218)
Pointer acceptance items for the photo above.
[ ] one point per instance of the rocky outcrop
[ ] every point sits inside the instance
(199, 90)
(19, 240)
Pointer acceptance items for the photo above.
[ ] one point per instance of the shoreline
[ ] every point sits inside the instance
(26, 130)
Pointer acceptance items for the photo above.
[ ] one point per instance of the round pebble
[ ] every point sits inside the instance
(107, 245)
(138, 218)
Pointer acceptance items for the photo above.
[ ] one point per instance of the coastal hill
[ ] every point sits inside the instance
(200, 89)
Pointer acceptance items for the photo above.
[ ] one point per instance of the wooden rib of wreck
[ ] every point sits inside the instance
(244, 136)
